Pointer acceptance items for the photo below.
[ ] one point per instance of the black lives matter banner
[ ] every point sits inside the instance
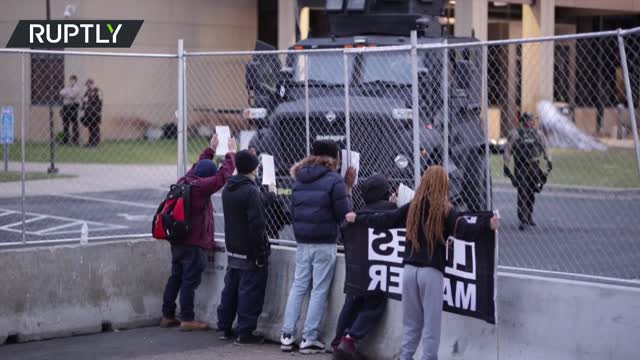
(468, 287)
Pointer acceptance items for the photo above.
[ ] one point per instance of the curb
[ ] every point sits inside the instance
(577, 189)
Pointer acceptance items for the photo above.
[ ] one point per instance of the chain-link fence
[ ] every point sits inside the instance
(97, 135)
(566, 187)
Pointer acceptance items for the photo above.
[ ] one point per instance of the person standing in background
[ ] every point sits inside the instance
(525, 145)
(92, 109)
(71, 97)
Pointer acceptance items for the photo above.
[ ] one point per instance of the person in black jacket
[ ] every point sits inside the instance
(248, 251)
(361, 310)
(92, 107)
(430, 219)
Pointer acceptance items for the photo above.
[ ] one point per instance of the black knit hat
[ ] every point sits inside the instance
(376, 188)
(246, 162)
(325, 148)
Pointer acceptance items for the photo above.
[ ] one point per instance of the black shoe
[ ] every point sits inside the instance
(226, 335)
(249, 339)
(531, 223)
(521, 227)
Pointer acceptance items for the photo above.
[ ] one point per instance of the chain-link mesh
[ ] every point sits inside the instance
(580, 148)
(279, 103)
(100, 145)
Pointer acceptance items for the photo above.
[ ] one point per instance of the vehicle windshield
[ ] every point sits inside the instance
(391, 67)
(325, 68)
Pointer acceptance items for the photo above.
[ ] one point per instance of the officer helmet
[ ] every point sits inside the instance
(526, 117)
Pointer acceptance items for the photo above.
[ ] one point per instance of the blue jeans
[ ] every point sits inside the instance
(187, 265)
(315, 265)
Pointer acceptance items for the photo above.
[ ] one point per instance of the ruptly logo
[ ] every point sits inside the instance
(74, 34)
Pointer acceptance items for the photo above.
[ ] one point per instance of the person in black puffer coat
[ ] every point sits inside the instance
(361, 310)
(248, 251)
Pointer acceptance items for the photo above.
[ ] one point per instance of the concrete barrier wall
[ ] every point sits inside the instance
(67, 290)
(540, 318)
(64, 290)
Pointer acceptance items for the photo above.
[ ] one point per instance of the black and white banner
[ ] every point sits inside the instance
(469, 273)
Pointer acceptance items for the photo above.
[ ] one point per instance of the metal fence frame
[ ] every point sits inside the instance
(183, 57)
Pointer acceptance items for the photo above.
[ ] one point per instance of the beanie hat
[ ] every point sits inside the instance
(206, 168)
(325, 148)
(246, 162)
(376, 188)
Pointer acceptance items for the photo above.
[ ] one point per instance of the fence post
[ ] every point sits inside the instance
(485, 115)
(445, 104)
(627, 85)
(346, 106)
(306, 103)
(180, 112)
(415, 107)
(23, 135)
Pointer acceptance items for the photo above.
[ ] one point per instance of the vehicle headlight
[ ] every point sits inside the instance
(254, 113)
(401, 161)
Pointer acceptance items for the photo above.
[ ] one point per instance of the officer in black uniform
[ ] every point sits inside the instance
(525, 145)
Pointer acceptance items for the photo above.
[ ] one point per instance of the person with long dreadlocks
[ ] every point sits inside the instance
(430, 219)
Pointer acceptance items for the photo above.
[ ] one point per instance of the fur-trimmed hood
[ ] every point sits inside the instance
(312, 168)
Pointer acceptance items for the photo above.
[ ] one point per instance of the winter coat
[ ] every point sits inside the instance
(320, 201)
(244, 223)
(202, 225)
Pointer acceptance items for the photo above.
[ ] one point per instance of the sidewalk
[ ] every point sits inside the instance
(146, 344)
(91, 178)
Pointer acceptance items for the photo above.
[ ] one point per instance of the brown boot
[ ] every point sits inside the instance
(193, 326)
(169, 322)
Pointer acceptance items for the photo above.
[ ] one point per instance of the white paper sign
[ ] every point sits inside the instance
(405, 195)
(245, 138)
(268, 170)
(355, 163)
(224, 133)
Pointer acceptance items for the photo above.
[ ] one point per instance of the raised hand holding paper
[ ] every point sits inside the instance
(224, 133)
(268, 170)
(355, 163)
(405, 195)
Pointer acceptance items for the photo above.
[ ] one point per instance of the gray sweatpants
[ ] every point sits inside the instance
(421, 311)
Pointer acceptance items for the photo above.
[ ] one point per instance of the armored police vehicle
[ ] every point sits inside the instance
(379, 97)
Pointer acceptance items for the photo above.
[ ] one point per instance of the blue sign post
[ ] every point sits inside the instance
(6, 132)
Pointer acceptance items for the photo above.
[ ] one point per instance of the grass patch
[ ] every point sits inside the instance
(108, 152)
(8, 176)
(614, 168)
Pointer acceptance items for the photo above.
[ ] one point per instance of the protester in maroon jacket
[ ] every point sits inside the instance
(188, 259)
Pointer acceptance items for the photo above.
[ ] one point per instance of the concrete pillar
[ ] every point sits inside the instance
(471, 17)
(286, 23)
(304, 22)
(537, 58)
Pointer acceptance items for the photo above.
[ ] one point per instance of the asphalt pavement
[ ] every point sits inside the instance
(146, 344)
(592, 233)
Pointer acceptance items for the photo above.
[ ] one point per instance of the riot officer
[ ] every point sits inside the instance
(525, 145)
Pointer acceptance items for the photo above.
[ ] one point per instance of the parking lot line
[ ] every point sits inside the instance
(52, 230)
(109, 201)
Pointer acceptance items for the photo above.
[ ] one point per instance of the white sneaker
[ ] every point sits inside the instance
(311, 347)
(287, 342)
